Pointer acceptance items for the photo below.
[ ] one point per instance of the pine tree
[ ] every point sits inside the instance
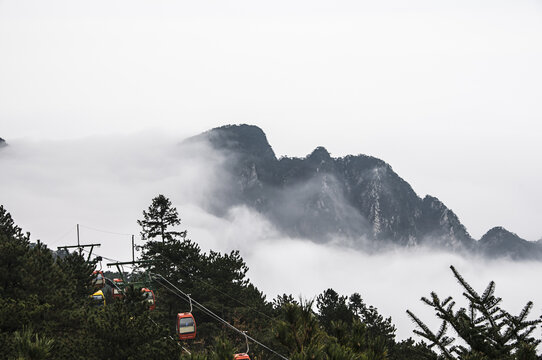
(489, 331)
(31, 346)
(332, 307)
(299, 330)
(8, 229)
(216, 280)
(160, 216)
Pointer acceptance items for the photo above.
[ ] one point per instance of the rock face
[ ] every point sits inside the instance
(359, 198)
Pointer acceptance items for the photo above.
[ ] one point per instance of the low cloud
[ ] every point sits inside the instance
(104, 183)
(393, 281)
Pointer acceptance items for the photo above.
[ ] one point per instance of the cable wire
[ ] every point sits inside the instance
(62, 237)
(103, 257)
(212, 314)
(169, 336)
(186, 272)
(104, 231)
(217, 289)
(202, 307)
(209, 312)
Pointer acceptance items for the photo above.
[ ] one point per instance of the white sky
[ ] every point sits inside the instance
(448, 93)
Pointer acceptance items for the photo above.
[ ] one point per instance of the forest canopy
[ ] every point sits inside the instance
(53, 307)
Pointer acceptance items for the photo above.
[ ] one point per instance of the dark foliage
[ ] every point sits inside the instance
(46, 310)
(158, 218)
(488, 331)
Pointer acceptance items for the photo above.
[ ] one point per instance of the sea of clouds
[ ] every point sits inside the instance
(104, 183)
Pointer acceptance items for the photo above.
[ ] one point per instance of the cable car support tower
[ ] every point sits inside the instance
(79, 246)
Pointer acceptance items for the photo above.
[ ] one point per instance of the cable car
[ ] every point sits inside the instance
(149, 298)
(241, 356)
(186, 326)
(99, 279)
(117, 289)
(98, 298)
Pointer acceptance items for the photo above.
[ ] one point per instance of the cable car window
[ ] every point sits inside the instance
(185, 322)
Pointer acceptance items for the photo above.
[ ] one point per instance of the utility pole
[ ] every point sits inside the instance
(78, 244)
(118, 265)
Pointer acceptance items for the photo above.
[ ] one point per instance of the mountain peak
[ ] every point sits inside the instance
(2, 142)
(320, 153)
(498, 232)
(500, 242)
(243, 138)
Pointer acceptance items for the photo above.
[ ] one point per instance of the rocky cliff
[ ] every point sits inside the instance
(359, 198)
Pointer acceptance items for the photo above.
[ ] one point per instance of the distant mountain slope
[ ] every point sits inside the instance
(499, 241)
(359, 198)
(2, 142)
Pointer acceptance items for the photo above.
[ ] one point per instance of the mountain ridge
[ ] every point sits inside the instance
(358, 197)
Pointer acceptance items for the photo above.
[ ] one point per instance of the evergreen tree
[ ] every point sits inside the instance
(30, 346)
(46, 310)
(8, 229)
(300, 332)
(160, 216)
(333, 307)
(489, 331)
(216, 280)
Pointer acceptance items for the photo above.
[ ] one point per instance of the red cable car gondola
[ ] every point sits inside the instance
(149, 298)
(186, 326)
(117, 289)
(99, 279)
(241, 356)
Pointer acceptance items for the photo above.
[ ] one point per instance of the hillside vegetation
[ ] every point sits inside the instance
(47, 311)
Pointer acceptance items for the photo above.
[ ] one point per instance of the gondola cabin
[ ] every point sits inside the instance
(149, 298)
(98, 298)
(241, 356)
(117, 291)
(99, 279)
(186, 326)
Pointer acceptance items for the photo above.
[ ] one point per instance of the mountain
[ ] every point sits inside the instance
(498, 241)
(3, 142)
(359, 199)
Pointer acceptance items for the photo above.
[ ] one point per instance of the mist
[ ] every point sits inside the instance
(104, 183)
